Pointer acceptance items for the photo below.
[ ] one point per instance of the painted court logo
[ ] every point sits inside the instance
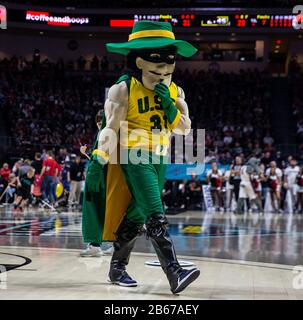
(3, 19)
(297, 281)
(3, 278)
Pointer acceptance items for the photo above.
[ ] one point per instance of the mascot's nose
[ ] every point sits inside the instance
(161, 80)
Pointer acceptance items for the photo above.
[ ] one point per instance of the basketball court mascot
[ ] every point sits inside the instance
(246, 187)
(144, 107)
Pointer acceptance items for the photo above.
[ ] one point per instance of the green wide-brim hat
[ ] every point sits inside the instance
(150, 35)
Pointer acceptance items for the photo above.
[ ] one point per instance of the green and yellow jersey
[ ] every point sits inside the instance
(146, 124)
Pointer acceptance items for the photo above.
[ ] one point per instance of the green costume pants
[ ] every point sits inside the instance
(92, 216)
(145, 181)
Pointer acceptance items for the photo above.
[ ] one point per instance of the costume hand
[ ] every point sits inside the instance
(94, 176)
(163, 92)
(167, 103)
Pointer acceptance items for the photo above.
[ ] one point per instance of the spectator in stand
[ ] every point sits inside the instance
(268, 140)
(237, 148)
(257, 178)
(75, 178)
(273, 176)
(17, 166)
(48, 175)
(229, 191)
(3, 186)
(279, 159)
(2, 182)
(43, 155)
(194, 192)
(174, 195)
(37, 163)
(266, 159)
(235, 176)
(214, 179)
(257, 149)
(290, 181)
(289, 159)
(24, 190)
(24, 168)
(210, 156)
(63, 156)
(64, 180)
(12, 185)
(5, 171)
(299, 182)
(263, 182)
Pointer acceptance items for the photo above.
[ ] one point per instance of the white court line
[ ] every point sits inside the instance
(194, 258)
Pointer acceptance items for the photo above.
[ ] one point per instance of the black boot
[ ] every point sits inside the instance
(179, 278)
(127, 234)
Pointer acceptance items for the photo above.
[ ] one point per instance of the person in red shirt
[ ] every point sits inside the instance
(48, 176)
(5, 171)
(4, 176)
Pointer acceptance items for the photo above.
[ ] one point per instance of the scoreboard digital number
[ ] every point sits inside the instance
(217, 21)
(267, 21)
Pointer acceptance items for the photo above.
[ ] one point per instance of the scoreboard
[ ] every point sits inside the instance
(239, 20)
(200, 20)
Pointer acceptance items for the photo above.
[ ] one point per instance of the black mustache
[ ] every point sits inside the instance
(159, 74)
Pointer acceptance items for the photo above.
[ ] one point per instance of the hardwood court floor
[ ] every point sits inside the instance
(61, 274)
(240, 257)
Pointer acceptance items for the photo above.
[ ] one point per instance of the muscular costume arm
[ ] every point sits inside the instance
(184, 124)
(115, 109)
